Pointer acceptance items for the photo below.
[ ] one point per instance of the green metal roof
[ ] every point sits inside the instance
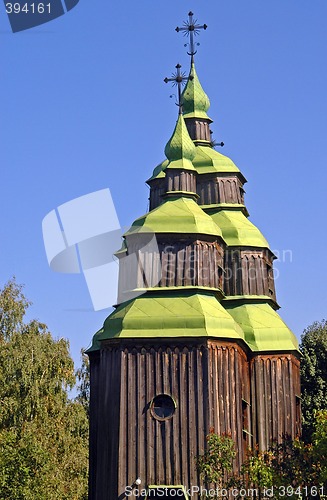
(263, 328)
(206, 161)
(267, 299)
(195, 101)
(237, 229)
(180, 149)
(226, 206)
(176, 215)
(171, 315)
(159, 170)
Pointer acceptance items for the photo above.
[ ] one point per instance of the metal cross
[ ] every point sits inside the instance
(191, 29)
(213, 143)
(178, 78)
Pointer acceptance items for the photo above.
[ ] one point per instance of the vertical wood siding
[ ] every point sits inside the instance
(180, 180)
(204, 378)
(248, 272)
(94, 421)
(275, 386)
(211, 188)
(199, 130)
(178, 263)
(228, 380)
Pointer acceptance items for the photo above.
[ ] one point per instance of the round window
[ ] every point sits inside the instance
(163, 407)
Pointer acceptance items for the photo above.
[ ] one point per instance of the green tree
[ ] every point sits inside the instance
(83, 386)
(313, 375)
(320, 445)
(43, 434)
(257, 470)
(216, 464)
(291, 467)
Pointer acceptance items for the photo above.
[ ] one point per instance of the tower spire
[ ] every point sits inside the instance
(191, 29)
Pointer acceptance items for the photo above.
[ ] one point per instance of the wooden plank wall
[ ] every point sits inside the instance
(275, 385)
(104, 422)
(180, 180)
(229, 385)
(248, 272)
(205, 381)
(178, 263)
(94, 421)
(162, 452)
(211, 189)
(215, 189)
(157, 190)
(199, 130)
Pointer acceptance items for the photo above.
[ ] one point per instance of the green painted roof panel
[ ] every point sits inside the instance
(193, 315)
(237, 229)
(180, 149)
(195, 101)
(263, 328)
(176, 215)
(206, 161)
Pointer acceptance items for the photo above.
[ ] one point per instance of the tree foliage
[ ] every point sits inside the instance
(320, 443)
(313, 375)
(43, 433)
(295, 465)
(83, 386)
(217, 461)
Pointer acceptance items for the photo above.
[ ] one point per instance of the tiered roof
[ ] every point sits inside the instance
(194, 311)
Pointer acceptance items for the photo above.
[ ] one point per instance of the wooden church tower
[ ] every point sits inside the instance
(195, 341)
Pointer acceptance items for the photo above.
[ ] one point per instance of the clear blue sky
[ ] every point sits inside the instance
(74, 92)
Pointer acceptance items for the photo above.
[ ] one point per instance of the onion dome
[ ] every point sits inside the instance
(180, 149)
(179, 213)
(195, 101)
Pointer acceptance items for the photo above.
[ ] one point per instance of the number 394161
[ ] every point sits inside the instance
(28, 8)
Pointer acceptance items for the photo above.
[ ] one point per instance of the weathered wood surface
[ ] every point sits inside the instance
(212, 189)
(180, 180)
(187, 262)
(190, 262)
(205, 380)
(199, 130)
(249, 272)
(275, 388)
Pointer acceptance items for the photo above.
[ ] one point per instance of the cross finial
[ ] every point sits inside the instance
(191, 29)
(178, 78)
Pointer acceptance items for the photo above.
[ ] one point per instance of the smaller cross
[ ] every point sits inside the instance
(191, 29)
(213, 143)
(178, 78)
